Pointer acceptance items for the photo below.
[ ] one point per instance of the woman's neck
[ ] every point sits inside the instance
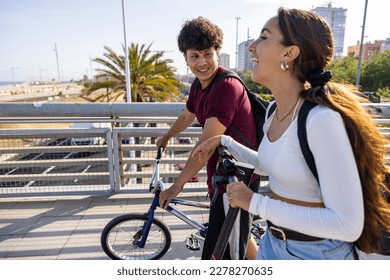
(286, 94)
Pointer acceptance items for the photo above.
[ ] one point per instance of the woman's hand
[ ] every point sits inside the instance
(239, 195)
(207, 148)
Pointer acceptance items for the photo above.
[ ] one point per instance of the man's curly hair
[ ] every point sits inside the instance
(199, 34)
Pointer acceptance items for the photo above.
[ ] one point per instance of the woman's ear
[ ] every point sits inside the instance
(292, 52)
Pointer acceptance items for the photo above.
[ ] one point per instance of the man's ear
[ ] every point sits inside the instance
(292, 52)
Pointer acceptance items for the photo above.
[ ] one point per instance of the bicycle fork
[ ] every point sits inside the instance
(192, 241)
(148, 223)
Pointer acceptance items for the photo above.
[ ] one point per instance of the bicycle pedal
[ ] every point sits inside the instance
(198, 235)
(193, 243)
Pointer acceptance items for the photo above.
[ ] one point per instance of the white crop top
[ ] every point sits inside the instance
(290, 177)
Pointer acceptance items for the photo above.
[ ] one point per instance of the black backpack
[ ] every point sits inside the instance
(258, 105)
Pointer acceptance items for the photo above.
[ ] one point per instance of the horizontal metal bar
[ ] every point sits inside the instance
(55, 119)
(155, 132)
(145, 160)
(54, 149)
(162, 174)
(57, 189)
(170, 148)
(98, 109)
(109, 110)
(53, 176)
(55, 132)
(52, 162)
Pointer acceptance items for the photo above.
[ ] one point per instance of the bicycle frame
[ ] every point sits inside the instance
(156, 186)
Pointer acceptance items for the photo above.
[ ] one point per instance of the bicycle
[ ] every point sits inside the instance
(142, 236)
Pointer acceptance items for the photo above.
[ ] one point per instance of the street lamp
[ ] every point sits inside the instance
(237, 19)
(90, 67)
(127, 68)
(361, 47)
(58, 66)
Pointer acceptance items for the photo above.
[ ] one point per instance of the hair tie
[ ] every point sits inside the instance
(319, 78)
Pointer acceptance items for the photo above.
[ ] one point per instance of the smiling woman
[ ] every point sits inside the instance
(327, 213)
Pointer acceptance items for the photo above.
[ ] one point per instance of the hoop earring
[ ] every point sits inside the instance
(284, 66)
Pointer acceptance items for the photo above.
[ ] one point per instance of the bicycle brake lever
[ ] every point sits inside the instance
(217, 180)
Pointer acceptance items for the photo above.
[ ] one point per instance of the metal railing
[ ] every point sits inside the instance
(111, 158)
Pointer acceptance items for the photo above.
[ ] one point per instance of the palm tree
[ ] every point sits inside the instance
(151, 77)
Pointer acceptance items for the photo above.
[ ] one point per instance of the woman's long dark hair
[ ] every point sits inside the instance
(313, 36)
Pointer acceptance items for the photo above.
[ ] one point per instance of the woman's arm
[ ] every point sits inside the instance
(241, 153)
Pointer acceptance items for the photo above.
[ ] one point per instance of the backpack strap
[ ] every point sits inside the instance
(242, 136)
(232, 74)
(226, 74)
(195, 84)
(220, 76)
(302, 136)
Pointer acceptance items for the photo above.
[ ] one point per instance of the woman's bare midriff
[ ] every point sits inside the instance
(298, 202)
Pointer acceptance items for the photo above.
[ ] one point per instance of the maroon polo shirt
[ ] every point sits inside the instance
(229, 103)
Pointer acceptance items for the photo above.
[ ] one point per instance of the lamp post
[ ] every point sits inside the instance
(58, 66)
(361, 47)
(127, 67)
(237, 19)
(132, 167)
(90, 67)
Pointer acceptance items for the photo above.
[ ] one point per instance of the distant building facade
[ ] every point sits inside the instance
(336, 18)
(368, 49)
(244, 63)
(386, 45)
(224, 60)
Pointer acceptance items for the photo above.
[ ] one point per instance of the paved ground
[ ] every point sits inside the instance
(70, 227)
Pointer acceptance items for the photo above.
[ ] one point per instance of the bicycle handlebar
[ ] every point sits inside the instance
(226, 166)
(159, 152)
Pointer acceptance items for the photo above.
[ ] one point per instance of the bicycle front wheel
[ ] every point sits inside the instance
(120, 238)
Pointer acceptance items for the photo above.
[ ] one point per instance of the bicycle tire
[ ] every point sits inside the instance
(119, 238)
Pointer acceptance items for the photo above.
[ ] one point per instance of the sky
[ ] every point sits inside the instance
(34, 33)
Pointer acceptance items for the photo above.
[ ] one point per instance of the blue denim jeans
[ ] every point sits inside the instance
(271, 248)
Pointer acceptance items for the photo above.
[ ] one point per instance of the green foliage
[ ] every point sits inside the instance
(376, 72)
(253, 86)
(344, 70)
(383, 92)
(151, 76)
(266, 96)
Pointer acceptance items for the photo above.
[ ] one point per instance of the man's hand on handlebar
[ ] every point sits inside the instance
(161, 142)
(167, 195)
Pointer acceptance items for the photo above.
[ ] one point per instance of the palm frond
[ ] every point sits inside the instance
(151, 77)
